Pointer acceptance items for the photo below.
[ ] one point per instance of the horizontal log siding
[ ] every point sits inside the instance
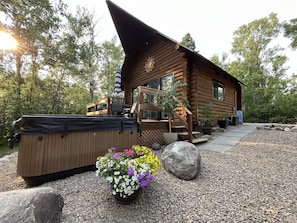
(167, 61)
(192, 76)
(57, 152)
(205, 75)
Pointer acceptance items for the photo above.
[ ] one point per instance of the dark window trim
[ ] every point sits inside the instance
(216, 94)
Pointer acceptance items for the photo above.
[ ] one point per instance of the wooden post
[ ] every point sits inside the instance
(140, 98)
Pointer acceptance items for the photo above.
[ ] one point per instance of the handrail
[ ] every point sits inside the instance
(147, 90)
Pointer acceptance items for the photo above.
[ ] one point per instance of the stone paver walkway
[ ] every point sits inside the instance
(229, 139)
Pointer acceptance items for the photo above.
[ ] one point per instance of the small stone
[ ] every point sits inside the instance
(156, 146)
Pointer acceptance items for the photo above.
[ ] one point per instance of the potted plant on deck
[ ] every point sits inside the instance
(207, 119)
(167, 100)
(127, 172)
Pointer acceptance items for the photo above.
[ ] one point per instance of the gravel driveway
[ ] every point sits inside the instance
(253, 182)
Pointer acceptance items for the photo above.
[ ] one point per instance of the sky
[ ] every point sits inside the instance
(211, 23)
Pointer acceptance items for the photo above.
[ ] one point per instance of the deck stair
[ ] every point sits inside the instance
(183, 135)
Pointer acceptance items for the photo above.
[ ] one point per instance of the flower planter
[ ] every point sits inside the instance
(128, 172)
(206, 130)
(129, 199)
(223, 123)
(170, 137)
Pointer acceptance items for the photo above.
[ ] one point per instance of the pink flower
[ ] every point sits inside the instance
(129, 152)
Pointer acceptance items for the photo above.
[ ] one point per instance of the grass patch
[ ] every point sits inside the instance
(5, 150)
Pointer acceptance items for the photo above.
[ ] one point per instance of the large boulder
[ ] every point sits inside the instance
(41, 204)
(182, 159)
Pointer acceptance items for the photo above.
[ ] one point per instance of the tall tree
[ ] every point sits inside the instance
(33, 24)
(111, 58)
(189, 42)
(221, 60)
(260, 65)
(83, 47)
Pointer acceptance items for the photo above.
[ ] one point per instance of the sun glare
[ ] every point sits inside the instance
(7, 42)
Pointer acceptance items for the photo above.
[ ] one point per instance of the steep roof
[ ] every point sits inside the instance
(135, 35)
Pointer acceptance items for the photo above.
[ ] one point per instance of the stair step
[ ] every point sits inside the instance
(178, 127)
(187, 133)
(199, 140)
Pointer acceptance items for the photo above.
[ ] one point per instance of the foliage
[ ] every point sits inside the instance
(206, 112)
(166, 99)
(223, 116)
(267, 91)
(110, 58)
(220, 60)
(290, 29)
(189, 42)
(58, 66)
(126, 172)
(5, 150)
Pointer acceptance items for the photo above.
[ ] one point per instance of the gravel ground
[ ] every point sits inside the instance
(253, 182)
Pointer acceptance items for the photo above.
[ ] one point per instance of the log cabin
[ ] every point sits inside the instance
(152, 61)
(56, 144)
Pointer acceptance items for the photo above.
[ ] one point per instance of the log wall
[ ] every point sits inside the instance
(167, 60)
(201, 92)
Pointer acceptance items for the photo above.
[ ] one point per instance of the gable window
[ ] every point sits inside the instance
(218, 90)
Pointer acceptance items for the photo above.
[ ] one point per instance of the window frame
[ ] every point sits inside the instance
(218, 94)
(150, 114)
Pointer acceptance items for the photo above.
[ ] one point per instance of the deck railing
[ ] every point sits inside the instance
(188, 123)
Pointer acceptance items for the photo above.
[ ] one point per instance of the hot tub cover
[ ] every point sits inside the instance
(74, 123)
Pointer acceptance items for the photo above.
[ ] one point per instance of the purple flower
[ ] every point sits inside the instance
(149, 177)
(143, 183)
(117, 155)
(140, 177)
(113, 148)
(155, 152)
(108, 187)
(130, 171)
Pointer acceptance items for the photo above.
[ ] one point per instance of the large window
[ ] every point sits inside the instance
(161, 83)
(218, 90)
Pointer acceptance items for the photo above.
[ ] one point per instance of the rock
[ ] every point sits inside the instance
(209, 137)
(294, 129)
(4, 160)
(156, 146)
(41, 204)
(219, 130)
(182, 159)
(287, 129)
(279, 128)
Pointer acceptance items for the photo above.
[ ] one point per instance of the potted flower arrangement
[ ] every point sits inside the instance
(128, 172)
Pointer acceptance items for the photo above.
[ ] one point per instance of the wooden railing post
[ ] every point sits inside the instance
(140, 98)
(190, 127)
